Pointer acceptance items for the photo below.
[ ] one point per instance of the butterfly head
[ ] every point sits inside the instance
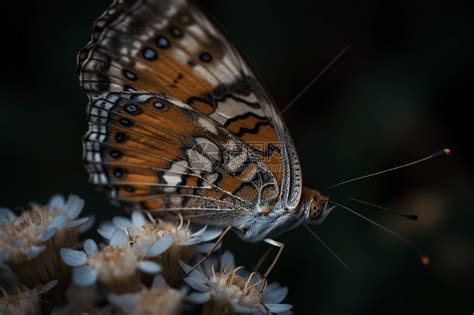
(315, 205)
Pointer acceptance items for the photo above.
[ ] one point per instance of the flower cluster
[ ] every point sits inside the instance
(30, 242)
(24, 300)
(142, 266)
(116, 266)
(226, 289)
(181, 243)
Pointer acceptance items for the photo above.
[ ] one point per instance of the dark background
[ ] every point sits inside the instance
(399, 93)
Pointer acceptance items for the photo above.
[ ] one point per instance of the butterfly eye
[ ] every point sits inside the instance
(315, 210)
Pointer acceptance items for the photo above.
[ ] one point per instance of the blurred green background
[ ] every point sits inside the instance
(399, 93)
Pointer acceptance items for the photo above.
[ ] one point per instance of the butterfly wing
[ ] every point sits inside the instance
(134, 150)
(172, 48)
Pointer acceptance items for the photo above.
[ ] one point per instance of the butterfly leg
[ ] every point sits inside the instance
(213, 248)
(262, 259)
(280, 246)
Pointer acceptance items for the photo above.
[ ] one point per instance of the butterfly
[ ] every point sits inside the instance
(179, 125)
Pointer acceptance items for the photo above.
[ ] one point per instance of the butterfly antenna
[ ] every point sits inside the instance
(439, 154)
(425, 260)
(330, 250)
(405, 215)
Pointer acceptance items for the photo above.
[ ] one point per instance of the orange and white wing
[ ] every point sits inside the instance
(163, 156)
(172, 49)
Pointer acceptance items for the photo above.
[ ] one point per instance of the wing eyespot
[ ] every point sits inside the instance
(129, 75)
(120, 173)
(205, 57)
(129, 189)
(176, 32)
(163, 42)
(150, 54)
(132, 109)
(120, 137)
(116, 154)
(126, 122)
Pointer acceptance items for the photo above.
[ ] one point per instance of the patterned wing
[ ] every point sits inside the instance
(172, 48)
(159, 154)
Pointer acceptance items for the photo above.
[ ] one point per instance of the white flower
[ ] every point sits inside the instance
(184, 244)
(159, 299)
(139, 229)
(115, 266)
(30, 243)
(25, 301)
(24, 237)
(221, 286)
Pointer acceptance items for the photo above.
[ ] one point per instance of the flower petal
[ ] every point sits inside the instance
(275, 296)
(279, 308)
(196, 274)
(35, 251)
(203, 248)
(84, 275)
(227, 260)
(122, 222)
(77, 222)
(200, 232)
(6, 215)
(138, 219)
(47, 234)
(195, 237)
(211, 234)
(203, 235)
(159, 246)
(58, 222)
(239, 308)
(272, 287)
(56, 202)
(196, 284)
(184, 266)
(48, 286)
(106, 229)
(199, 297)
(72, 257)
(90, 247)
(87, 225)
(118, 238)
(73, 207)
(207, 265)
(149, 266)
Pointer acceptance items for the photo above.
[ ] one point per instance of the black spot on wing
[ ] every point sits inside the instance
(163, 42)
(120, 137)
(176, 32)
(116, 154)
(150, 54)
(120, 173)
(205, 57)
(129, 75)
